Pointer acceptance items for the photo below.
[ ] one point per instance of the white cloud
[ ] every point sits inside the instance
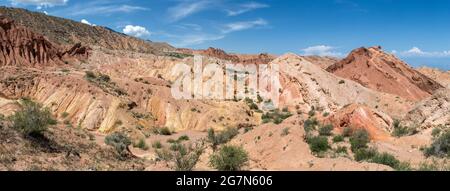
(243, 8)
(40, 3)
(98, 7)
(189, 38)
(84, 21)
(136, 31)
(187, 8)
(417, 52)
(322, 50)
(238, 26)
(196, 39)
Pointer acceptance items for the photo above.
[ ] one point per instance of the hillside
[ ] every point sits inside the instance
(377, 70)
(67, 32)
(437, 75)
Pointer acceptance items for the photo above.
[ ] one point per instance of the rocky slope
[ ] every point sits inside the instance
(62, 149)
(22, 47)
(437, 75)
(375, 69)
(68, 32)
(306, 85)
(270, 149)
(431, 112)
(355, 116)
(234, 58)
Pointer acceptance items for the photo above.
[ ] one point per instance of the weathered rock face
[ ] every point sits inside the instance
(67, 32)
(305, 85)
(437, 75)
(356, 116)
(20, 46)
(375, 69)
(431, 112)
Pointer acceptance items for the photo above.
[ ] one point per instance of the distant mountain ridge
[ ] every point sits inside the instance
(69, 32)
(378, 70)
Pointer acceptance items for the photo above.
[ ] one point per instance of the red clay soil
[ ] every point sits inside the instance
(375, 69)
(357, 116)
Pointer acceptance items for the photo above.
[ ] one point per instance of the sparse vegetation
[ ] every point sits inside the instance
(310, 124)
(157, 145)
(373, 156)
(440, 146)
(252, 105)
(120, 142)
(104, 82)
(64, 114)
(276, 116)
(285, 132)
(318, 144)
(342, 82)
(326, 130)
(364, 154)
(178, 55)
(359, 140)
(187, 158)
(141, 144)
(222, 137)
(341, 150)
(347, 132)
(183, 138)
(338, 138)
(400, 131)
(229, 158)
(32, 119)
(436, 132)
(162, 131)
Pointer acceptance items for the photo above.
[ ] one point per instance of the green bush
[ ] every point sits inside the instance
(365, 154)
(64, 115)
(187, 158)
(342, 150)
(229, 158)
(252, 105)
(165, 131)
(2, 118)
(183, 138)
(359, 140)
(90, 75)
(373, 156)
(347, 132)
(120, 142)
(310, 124)
(142, 145)
(276, 116)
(157, 145)
(285, 132)
(400, 131)
(32, 119)
(440, 146)
(326, 130)
(338, 138)
(386, 159)
(436, 132)
(318, 144)
(222, 137)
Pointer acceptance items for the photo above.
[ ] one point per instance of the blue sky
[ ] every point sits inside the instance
(418, 31)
